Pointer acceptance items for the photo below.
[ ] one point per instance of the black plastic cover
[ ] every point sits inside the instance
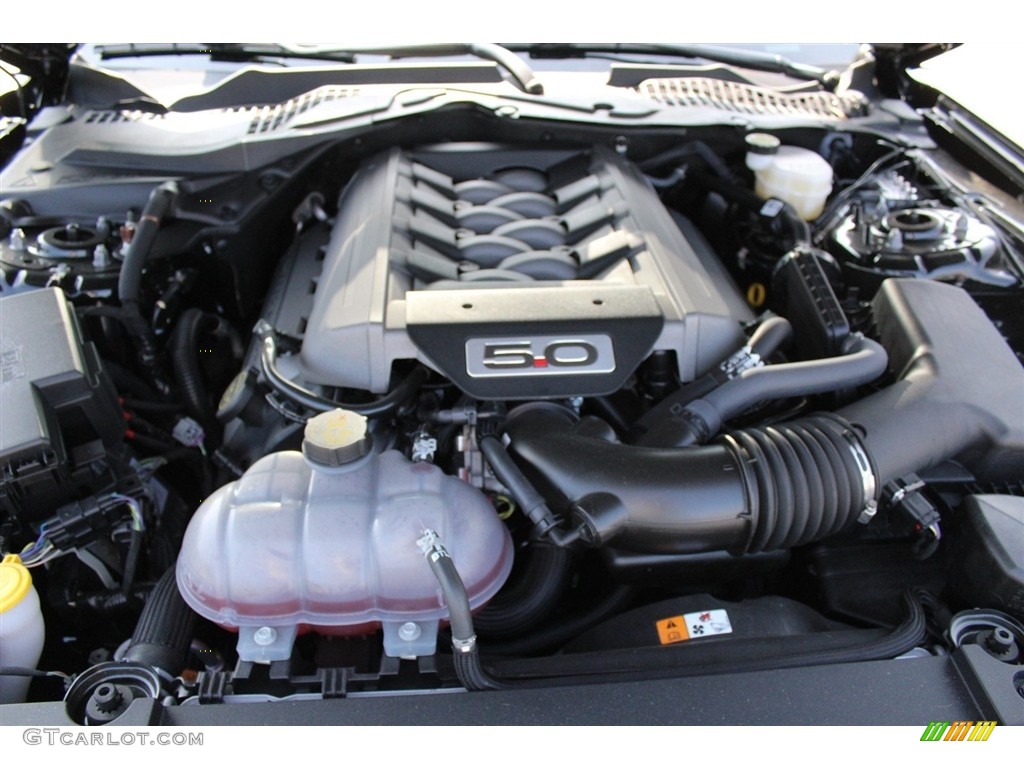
(60, 412)
(989, 570)
(563, 341)
(959, 392)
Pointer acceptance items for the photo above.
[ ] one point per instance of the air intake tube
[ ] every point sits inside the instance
(164, 631)
(751, 491)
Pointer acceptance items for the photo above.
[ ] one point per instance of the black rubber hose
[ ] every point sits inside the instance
(184, 350)
(129, 283)
(799, 230)
(471, 672)
(863, 360)
(751, 491)
(465, 654)
(460, 617)
(128, 383)
(185, 362)
(768, 337)
(526, 496)
(690, 149)
(385, 406)
(28, 672)
(164, 630)
(532, 597)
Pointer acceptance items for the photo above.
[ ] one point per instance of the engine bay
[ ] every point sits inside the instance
(465, 402)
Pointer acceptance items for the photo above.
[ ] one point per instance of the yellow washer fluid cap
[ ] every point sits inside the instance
(21, 627)
(15, 582)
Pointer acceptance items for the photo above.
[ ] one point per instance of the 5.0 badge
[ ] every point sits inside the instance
(539, 355)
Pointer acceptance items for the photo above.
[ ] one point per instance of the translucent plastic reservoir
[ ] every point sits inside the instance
(291, 545)
(796, 176)
(21, 627)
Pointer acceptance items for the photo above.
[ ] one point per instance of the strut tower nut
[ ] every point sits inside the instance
(335, 438)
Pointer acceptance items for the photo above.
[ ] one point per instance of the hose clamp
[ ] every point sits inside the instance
(869, 484)
(740, 361)
(430, 545)
(467, 645)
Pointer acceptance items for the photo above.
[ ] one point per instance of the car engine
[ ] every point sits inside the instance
(296, 412)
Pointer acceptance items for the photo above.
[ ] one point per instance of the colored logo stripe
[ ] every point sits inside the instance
(958, 730)
(982, 731)
(934, 730)
(961, 730)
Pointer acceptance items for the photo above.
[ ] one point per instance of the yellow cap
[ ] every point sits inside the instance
(15, 582)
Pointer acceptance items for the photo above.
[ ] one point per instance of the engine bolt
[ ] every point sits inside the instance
(264, 636)
(17, 241)
(409, 631)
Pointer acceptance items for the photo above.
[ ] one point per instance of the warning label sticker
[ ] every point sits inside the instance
(689, 626)
(12, 366)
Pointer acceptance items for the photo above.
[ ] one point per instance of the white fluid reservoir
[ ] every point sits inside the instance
(294, 544)
(794, 175)
(21, 627)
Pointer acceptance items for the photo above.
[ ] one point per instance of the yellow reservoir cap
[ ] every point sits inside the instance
(15, 582)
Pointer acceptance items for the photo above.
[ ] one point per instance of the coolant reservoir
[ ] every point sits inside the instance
(328, 541)
(794, 175)
(21, 627)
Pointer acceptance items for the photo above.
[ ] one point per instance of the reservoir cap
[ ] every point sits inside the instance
(335, 438)
(15, 582)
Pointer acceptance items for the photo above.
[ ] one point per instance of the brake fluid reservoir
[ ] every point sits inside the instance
(794, 175)
(327, 541)
(21, 627)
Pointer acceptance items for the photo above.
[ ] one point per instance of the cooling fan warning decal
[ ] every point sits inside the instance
(691, 626)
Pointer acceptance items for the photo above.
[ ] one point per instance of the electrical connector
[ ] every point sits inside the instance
(188, 432)
(79, 523)
(904, 495)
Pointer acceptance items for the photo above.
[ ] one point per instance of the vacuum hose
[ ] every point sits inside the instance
(406, 389)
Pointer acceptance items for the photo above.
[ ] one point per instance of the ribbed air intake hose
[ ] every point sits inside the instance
(164, 631)
(751, 491)
(813, 479)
